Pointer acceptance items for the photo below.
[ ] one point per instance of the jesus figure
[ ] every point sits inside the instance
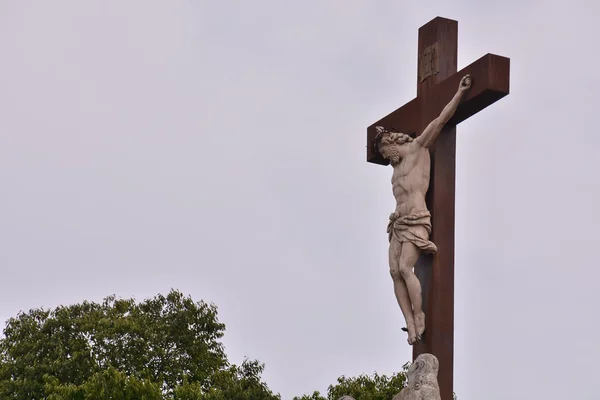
(410, 224)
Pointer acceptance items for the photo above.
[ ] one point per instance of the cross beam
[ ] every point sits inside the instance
(437, 82)
(490, 83)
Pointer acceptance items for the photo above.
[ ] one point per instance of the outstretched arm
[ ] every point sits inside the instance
(432, 131)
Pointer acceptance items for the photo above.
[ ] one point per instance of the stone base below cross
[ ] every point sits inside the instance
(422, 380)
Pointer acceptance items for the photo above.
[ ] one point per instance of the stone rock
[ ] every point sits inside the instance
(422, 380)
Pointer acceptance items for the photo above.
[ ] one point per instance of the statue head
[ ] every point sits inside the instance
(391, 145)
(423, 371)
(424, 364)
(422, 380)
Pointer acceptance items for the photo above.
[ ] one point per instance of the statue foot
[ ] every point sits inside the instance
(413, 339)
(420, 324)
(412, 334)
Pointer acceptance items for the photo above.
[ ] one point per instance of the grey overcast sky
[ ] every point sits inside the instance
(218, 147)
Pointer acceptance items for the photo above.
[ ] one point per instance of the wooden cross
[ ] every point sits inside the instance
(437, 82)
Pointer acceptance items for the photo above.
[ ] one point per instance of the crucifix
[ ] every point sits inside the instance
(419, 141)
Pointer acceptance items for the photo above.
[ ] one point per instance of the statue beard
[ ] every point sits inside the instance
(394, 156)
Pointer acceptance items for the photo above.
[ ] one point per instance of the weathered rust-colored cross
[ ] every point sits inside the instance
(437, 82)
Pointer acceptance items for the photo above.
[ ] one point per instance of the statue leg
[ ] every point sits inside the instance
(408, 258)
(401, 291)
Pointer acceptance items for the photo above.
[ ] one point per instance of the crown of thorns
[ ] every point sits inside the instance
(382, 131)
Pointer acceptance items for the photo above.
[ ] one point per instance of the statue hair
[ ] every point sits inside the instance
(384, 137)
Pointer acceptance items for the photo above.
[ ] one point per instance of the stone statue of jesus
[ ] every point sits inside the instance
(410, 225)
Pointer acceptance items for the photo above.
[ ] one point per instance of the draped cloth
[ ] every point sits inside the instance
(402, 228)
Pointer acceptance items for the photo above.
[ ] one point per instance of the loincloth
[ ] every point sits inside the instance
(403, 230)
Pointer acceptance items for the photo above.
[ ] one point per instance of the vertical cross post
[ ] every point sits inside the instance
(437, 60)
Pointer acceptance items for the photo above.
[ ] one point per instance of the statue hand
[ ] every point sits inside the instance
(465, 83)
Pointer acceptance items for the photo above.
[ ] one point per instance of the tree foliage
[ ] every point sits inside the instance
(166, 347)
(163, 348)
(364, 387)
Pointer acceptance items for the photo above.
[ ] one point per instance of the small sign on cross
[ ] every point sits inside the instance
(428, 63)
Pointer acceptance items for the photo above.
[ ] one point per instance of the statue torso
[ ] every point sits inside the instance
(410, 180)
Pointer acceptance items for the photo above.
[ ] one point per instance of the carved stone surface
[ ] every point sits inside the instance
(422, 380)
(409, 225)
(346, 398)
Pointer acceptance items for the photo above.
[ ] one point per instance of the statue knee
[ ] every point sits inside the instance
(395, 274)
(405, 273)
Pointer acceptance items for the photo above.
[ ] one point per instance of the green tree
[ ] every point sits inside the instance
(166, 347)
(364, 387)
